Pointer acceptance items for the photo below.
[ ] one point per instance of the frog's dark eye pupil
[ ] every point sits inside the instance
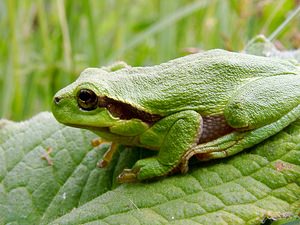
(87, 99)
(85, 95)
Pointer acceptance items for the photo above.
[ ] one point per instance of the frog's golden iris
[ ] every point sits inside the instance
(87, 99)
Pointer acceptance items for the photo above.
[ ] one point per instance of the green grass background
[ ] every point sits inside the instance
(44, 44)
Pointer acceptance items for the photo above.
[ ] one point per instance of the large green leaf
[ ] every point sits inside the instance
(263, 182)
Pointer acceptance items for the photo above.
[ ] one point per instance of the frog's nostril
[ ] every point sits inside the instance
(56, 100)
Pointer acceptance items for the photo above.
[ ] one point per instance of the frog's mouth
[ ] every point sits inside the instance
(91, 128)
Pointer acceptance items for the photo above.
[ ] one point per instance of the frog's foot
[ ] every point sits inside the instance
(220, 148)
(128, 176)
(144, 169)
(108, 155)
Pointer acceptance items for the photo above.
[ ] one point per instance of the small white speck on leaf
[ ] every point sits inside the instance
(135, 206)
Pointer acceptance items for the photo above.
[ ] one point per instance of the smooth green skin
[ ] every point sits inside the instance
(258, 96)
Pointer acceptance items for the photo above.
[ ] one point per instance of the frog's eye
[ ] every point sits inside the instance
(87, 99)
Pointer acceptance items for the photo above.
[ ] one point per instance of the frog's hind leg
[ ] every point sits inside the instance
(263, 101)
(237, 141)
(262, 109)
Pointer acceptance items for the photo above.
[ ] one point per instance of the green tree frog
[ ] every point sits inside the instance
(209, 105)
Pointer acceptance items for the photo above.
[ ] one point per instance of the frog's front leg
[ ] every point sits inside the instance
(172, 136)
(123, 132)
(108, 155)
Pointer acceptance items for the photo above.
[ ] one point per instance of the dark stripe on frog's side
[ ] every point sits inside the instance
(214, 127)
(125, 111)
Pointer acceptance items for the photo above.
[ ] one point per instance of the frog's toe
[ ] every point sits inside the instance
(127, 176)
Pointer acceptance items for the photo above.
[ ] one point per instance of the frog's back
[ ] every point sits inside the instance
(202, 82)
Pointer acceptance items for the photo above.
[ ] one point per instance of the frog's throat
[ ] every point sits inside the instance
(125, 111)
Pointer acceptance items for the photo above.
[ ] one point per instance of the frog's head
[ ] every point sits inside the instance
(80, 104)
